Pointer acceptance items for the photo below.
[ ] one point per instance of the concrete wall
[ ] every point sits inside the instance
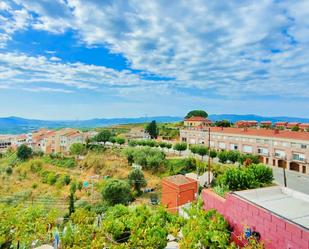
(276, 232)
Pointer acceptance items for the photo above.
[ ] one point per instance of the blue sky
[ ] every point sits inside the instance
(68, 59)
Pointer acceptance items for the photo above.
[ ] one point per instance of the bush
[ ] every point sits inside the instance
(262, 173)
(137, 180)
(116, 192)
(51, 178)
(9, 170)
(221, 190)
(24, 152)
(120, 140)
(36, 166)
(65, 180)
(246, 178)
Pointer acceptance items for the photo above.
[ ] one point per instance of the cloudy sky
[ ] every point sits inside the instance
(67, 59)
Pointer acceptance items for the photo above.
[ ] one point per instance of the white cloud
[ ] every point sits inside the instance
(219, 47)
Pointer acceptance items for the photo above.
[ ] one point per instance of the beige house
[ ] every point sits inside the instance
(284, 148)
(197, 121)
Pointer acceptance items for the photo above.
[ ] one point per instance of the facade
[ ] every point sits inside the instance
(197, 121)
(137, 133)
(6, 141)
(50, 141)
(284, 148)
(177, 191)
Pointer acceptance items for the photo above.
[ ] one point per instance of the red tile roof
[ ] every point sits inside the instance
(263, 133)
(198, 118)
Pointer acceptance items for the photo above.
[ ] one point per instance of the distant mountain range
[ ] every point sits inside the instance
(16, 125)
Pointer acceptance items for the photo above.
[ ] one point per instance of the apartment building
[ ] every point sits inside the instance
(51, 141)
(6, 141)
(196, 121)
(279, 148)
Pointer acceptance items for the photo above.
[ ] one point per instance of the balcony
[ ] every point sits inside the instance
(299, 159)
(280, 156)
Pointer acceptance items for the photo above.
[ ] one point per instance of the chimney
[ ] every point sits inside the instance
(276, 131)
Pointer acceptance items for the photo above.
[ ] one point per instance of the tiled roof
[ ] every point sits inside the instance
(263, 133)
(266, 122)
(178, 179)
(198, 118)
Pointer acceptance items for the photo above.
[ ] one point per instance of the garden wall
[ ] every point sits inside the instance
(276, 232)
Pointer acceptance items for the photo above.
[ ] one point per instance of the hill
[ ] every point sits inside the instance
(16, 125)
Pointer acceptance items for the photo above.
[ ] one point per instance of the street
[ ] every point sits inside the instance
(296, 181)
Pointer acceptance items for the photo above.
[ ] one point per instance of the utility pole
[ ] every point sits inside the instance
(284, 177)
(209, 157)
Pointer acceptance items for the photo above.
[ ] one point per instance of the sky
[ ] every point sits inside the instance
(81, 59)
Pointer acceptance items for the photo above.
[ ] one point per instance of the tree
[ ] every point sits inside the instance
(213, 154)
(116, 192)
(103, 136)
(180, 147)
(71, 203)
(120, 140)
(152, 129)
(112, 140)
(137, 180)
(295, 128)
(77, 149)
(197, 113)
(202, 151)
(223, 123)
(24, 152)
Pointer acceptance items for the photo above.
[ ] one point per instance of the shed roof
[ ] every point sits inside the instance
(287, 203)
(179, 179)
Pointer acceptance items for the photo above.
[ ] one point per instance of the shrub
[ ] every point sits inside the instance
(9, 170)
(24, 152)
(246, 178)
(137, 180)
(120, 140)
(116, 192)
(221, 190)
(51, 178)
(262, 173)
(36, 166)
(65, 180)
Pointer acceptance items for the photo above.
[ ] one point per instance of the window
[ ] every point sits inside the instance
(233, 147)
(298, 157)
(247, 149)
(303, 146)
(279, 153)
(222, 145)
(263, 151)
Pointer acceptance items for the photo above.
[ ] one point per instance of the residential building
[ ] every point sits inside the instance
(284, 148)
(281, 125)
(6, 141)
(137, 133)
(292, 125)
(197, 121)
(266, 124)
(246, 123)
(177, 191)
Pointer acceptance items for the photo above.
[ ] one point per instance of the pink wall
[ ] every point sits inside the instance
(276, 232)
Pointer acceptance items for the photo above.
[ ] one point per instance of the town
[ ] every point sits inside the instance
(178, 166)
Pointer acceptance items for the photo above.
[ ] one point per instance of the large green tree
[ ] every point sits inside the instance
(103, 136)
(24, 152)
(137, 180)
(152, 129)
(223, 123)
(116, 192)
(180, 147)
(197, 113)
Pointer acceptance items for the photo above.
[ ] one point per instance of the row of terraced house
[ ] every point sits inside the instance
(45, 140)
(276, 147)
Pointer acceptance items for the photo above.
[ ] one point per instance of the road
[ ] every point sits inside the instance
(295, 181)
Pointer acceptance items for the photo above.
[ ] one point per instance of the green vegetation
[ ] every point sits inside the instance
(78, 149)
(59, 161)
(205, 230)
(180, 147)
(197, 113)
(152, 129)
(137, 180)
(223, 123)
(235, 156)
(240, 178)
(24, 152)
(116, 192)
(149, 158)
(295, 128)
(103, 136)
(199, 149)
